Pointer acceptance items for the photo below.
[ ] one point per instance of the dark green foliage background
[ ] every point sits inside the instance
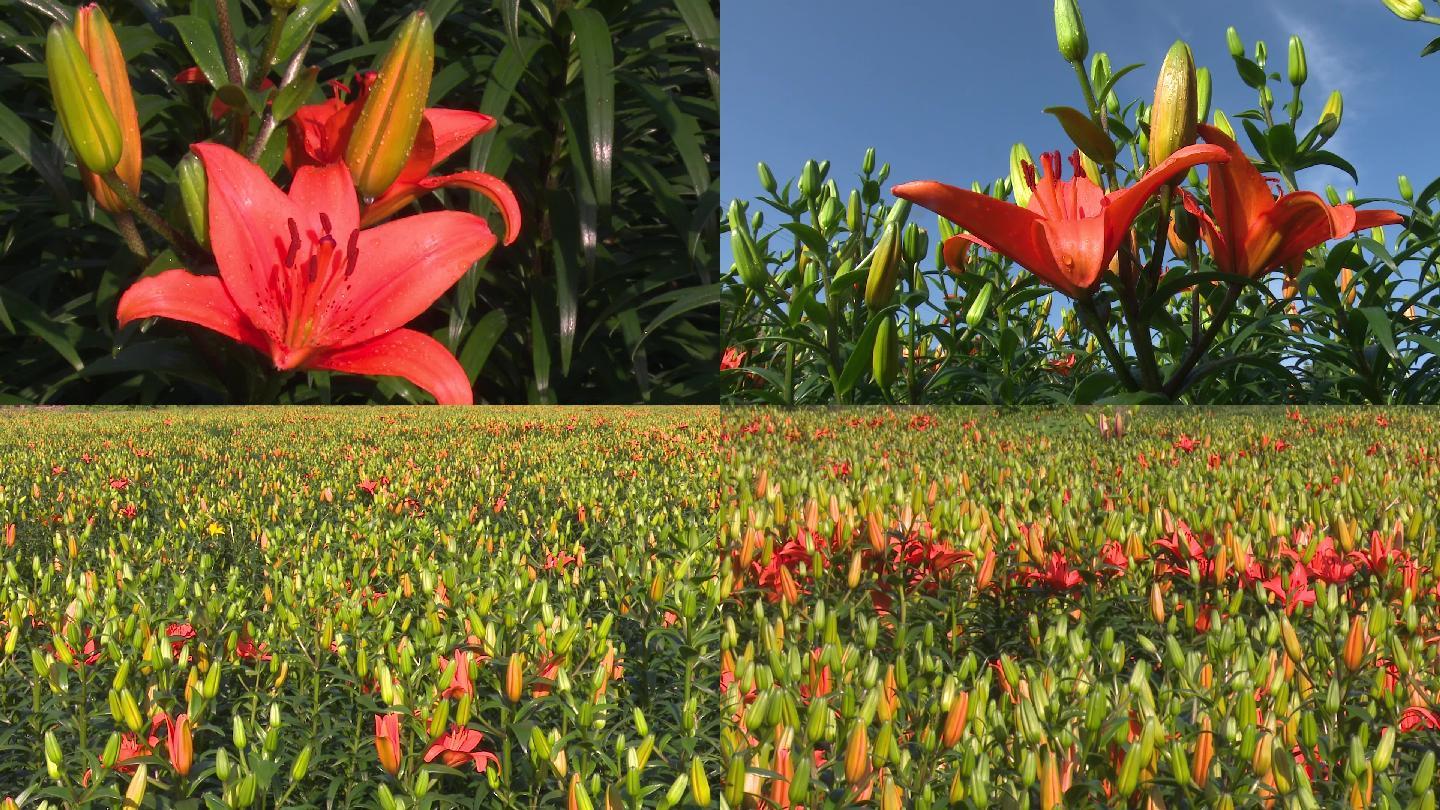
(603, 298)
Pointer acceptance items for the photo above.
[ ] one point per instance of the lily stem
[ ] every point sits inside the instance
(185, 247)
(272, 44)
(125, 223)
(1176, 384)
(1091, 319)
(227, 43)
(268, 122)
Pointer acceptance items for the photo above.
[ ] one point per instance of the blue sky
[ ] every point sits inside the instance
(942, 88)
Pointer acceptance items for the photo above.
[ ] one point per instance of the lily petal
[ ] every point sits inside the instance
(248, 230)
(307, 144)
(453, 129)
(406, 353)
(1126, 203)
(327, 189)
(1238, 193)
(1365, 220)
(1296, 223)
(403, 267)
(1008, 228)
(183, 296)
(1080, 256)
(401, 194)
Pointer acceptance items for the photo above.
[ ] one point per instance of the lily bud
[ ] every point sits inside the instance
(767, 178)
(387, 742)
(885, 361)
(1202, 94)
(1223, 124)
(181, 746)
(746, 252)
(1233, 41)
(194, 194)
(884, 265)
(810, 179)
(1331, 115)
(1407, 192)
(868, 165)
(1356, 643)
(955, 720)
(1172, 119)
(853, 211)
(1070, 31)
(385, 132)
(1410, 10)
(857, 754)
(102, 49)
(1019, 182)
(1298, 68)
(914, 243)
(80, 105)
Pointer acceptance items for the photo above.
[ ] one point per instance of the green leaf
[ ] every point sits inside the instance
(34, 150)
(204, 47)
(480, 342)
(811, 238)
(290, 98)
(597, 73)
(1379, 320)
(861, 354)
(1086, 134)
(303, 20)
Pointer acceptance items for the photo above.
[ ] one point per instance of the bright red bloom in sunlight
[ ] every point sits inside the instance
(457, 748)
(1297, 592)
(733, 358)
(1253, 231)
(319, 134)
(1071, 229)
(1057, 575)
(303, 284)
(1416, 718)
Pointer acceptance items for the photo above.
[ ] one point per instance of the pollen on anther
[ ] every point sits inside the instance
(294, 243)
(325, 221)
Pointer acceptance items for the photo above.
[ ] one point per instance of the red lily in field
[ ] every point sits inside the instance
(457, 748)
(319, 134)
(1070, 230)
(387, 742)
(303, 284)
(1253, 231)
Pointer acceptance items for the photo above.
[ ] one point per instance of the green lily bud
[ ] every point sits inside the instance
(868, 165)
(385, 132)
(915, 242)
(746, 254)
(84, 114)
(1407, 192)
(767, 178)
(1172, 119)
(1262, 53)
(699, 783)
(1410, 10)
(1332, 195)
(1236, 45)
(976, 312)
(1202, 94)
(1019, 184)
(1332, 114)
(853, 212)
(1223, 124)
(830, 214)
(194, 195)
(809, 179)
(884, 266)
(301, 766)
(885, 359)
(1070, 31)
(1298, 68)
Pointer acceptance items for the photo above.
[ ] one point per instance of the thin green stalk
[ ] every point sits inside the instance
(185, 247)
(1091, 319)
(272, 44)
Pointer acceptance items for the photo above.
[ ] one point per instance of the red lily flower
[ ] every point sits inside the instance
(1253, 231)
(1071, 229)
(300, 282)
(319, 134)
(387, 742)
(1057, 575)
(457, 748)
(1418, 718)
(1294, 593)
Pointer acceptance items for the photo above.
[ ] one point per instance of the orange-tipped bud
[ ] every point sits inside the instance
(385, 132)
(181, 746)
(80, 106)
(1204, 753)
(515, 677)
(102, 49)
(1356, 643)
(1050, 793)
(1157, 603)
(955, 720)
(387, 742)
(857, 754)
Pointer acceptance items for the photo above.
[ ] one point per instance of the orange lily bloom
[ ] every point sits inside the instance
(1253, 231)
(320, 134)
(387, 742)
(1070, 230)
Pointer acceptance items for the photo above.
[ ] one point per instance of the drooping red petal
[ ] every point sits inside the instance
(1373, 219)
(399, 195)
(1296, 223)
(329, 190)
(403, 267)
(453, 129)
(249, 230)
(1006, 228)
(183, 296)
(406, 353)
(1079, 249)
(1219, 248)
(191, 75)
(1238, 193)
(1124, 205)
(956, 251)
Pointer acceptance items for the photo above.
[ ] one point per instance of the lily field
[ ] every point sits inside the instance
(347, 608)
(959, 608)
